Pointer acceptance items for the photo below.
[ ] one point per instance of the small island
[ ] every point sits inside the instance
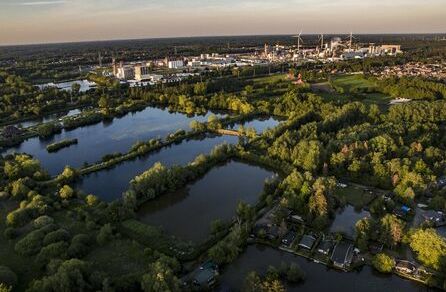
(54, 147)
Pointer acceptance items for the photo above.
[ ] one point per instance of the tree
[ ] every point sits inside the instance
(71, 275)
(105, 234)
(7, 276)
(75, 88)
(391, 230)
(160, 278)
(383, 263)
(91, 200)
(429, 247)
(68, 175)
(252, 282)
(66, 192)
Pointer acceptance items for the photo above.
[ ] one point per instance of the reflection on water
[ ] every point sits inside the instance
(318, 277)
(110, 184)
(108, 137)
(346, 219)
(189, 212)
(260, 125)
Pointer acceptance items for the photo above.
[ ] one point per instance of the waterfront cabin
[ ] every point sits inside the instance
(307, 241)
(342, 255)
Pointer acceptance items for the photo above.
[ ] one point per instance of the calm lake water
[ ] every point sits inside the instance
(48, 118)
(110, 184)
(259, 124)
(318, 277)
(106, 137)
(346, 219)
(189, 212)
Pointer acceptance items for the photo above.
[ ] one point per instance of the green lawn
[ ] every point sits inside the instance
(353, 195)
(348, 82)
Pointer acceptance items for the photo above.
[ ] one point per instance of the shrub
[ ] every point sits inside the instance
(7, 276)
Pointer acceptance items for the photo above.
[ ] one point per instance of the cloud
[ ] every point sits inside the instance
(42, 3)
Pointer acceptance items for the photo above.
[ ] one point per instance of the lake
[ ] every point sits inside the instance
(346, 219)
(95, 141)
(318, 277)
(111, 183)
(260, 124)
(189, 212)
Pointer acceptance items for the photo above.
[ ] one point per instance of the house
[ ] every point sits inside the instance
(307, 241)
(342, 255)
(289, 238)
(405, 267)
(325, 246)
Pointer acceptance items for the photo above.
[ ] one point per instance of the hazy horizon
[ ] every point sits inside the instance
(59, 21)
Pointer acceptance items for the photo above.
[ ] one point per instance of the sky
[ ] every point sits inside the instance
(46, 21)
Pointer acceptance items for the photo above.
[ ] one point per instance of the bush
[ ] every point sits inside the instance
(42, 221)
(383, 263)
(7, 276)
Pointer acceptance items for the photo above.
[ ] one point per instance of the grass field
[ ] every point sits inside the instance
(349, 82)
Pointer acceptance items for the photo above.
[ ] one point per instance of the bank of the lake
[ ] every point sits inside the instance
(188, 213)
(318, 277)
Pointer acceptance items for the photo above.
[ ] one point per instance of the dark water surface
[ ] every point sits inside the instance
(106, 137)
(189, 212)
(110, 184)
(318, 277)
